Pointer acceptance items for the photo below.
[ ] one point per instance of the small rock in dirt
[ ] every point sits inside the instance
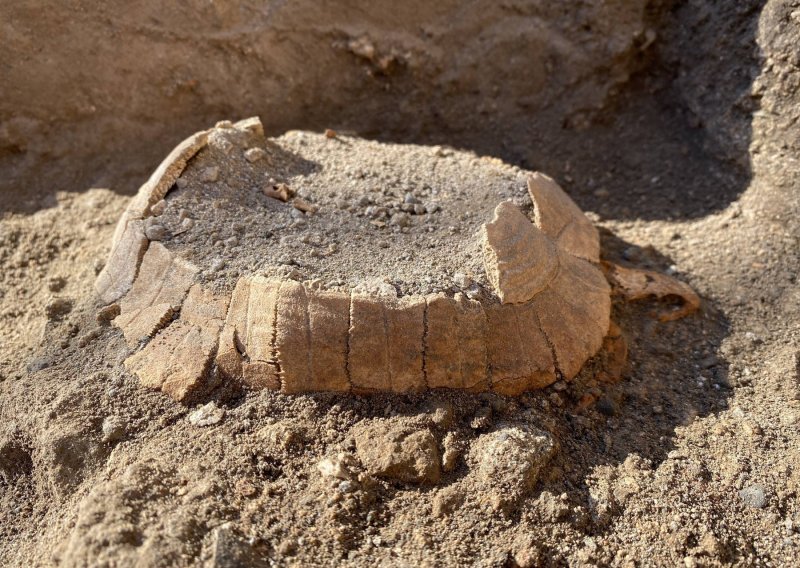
(401, 220)
(186, 224)
(57, 308)
(113, 429)
(508, 461)
(207, 415)
(254, 154)
(156, 232)
(340, 466)
(375, 212)
(462, 280)
(210, 174)
(397, 451)
(39, 363)
(107, 313)
(474, 292)
(56, 283)
(754, 496)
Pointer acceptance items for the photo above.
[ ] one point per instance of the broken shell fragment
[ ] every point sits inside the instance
(281, 192)
(636, 284)
(520, 260)
(557, 216)
(304, 206)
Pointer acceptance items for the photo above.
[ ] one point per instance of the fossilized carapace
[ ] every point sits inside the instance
(535, 308)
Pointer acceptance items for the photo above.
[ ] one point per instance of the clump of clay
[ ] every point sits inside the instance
(311, 263)
(508, 461)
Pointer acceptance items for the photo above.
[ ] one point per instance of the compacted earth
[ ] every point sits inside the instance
(672, 124)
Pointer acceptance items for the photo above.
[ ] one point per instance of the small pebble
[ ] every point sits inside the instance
(375, 212)
(462, 280)
(474, 292)
(39, 363)
(207, 415)
(254, 154)
(56, 284)
(107, 313)
(754, 496)
(401, 220)
(57, 308)
(210, 174)
(156, 232)
(113, 429)
(339, 466)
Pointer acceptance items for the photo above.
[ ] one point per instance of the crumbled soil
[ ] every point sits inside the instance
(685, 147)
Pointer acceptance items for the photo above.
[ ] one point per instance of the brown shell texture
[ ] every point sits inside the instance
(551, 317)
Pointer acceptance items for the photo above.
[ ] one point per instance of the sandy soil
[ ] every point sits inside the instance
(683, 142)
